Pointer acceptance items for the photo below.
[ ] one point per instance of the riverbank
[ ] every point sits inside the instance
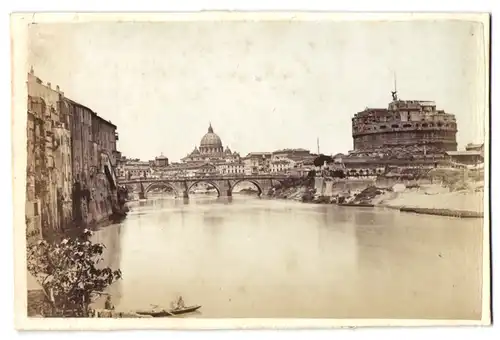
(37, 303)
(435, 197)
(422, 197)
(301, 189)
(74, 229)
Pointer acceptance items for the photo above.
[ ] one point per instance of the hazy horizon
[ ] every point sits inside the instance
(263, 85)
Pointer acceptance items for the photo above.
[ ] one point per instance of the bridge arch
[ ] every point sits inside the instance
(212, 183)
(256, 183)
(161, 185)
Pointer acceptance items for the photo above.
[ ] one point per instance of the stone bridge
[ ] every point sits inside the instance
(223, 184)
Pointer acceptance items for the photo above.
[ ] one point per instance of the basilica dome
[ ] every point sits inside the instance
(211, 140)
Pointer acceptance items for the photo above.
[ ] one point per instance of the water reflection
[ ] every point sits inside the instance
(431, 263)
(111, 237)
(249, 257)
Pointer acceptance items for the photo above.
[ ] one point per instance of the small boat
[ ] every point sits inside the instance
(171, 312)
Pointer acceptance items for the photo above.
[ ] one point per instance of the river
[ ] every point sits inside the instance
(251, 257)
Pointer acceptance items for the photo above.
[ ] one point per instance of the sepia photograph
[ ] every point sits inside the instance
(227, 170)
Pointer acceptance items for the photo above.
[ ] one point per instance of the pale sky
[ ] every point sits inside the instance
(263, 85)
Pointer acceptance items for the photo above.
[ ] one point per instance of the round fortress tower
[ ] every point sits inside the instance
(405, 123)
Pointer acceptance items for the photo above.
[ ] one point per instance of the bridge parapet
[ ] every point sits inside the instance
(207, 178)
(223, 184)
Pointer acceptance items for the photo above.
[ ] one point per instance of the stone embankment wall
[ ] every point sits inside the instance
(38, 306)
(332, 186)
(423, 195)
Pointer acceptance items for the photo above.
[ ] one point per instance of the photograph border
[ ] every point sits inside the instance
(20, 67)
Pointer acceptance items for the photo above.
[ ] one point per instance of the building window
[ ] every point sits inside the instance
(35, 208)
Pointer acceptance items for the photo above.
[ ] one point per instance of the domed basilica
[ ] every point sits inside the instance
(211, 150)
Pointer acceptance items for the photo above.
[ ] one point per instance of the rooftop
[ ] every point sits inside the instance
(32, 75)
(291, 150)
(258, 154)
(281, 161)
(463, 153)
(420, 102)
(137, 163)
(108, 122)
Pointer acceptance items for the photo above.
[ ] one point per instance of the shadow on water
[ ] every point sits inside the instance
(211, 220)
(208, 200)
(111, 236)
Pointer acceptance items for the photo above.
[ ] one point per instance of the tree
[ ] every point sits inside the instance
(338, 174)
(321, 159)
(69, 274)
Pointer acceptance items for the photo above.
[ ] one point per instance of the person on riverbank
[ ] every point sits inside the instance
(180, 303)
(108, 304)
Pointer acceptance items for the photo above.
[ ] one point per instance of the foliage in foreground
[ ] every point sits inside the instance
(69, 273)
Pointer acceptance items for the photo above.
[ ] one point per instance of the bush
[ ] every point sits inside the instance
(69, 275)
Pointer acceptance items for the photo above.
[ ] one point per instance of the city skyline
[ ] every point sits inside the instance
(308, 87)
(194, 143)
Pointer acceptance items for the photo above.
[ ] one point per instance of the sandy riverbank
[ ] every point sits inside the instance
(425, 196)
(434, 197)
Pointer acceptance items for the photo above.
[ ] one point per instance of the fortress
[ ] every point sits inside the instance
(407, 126)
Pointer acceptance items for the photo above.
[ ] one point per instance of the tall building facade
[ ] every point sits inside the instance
(48, 171)
(71, 159)
(94, 189)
